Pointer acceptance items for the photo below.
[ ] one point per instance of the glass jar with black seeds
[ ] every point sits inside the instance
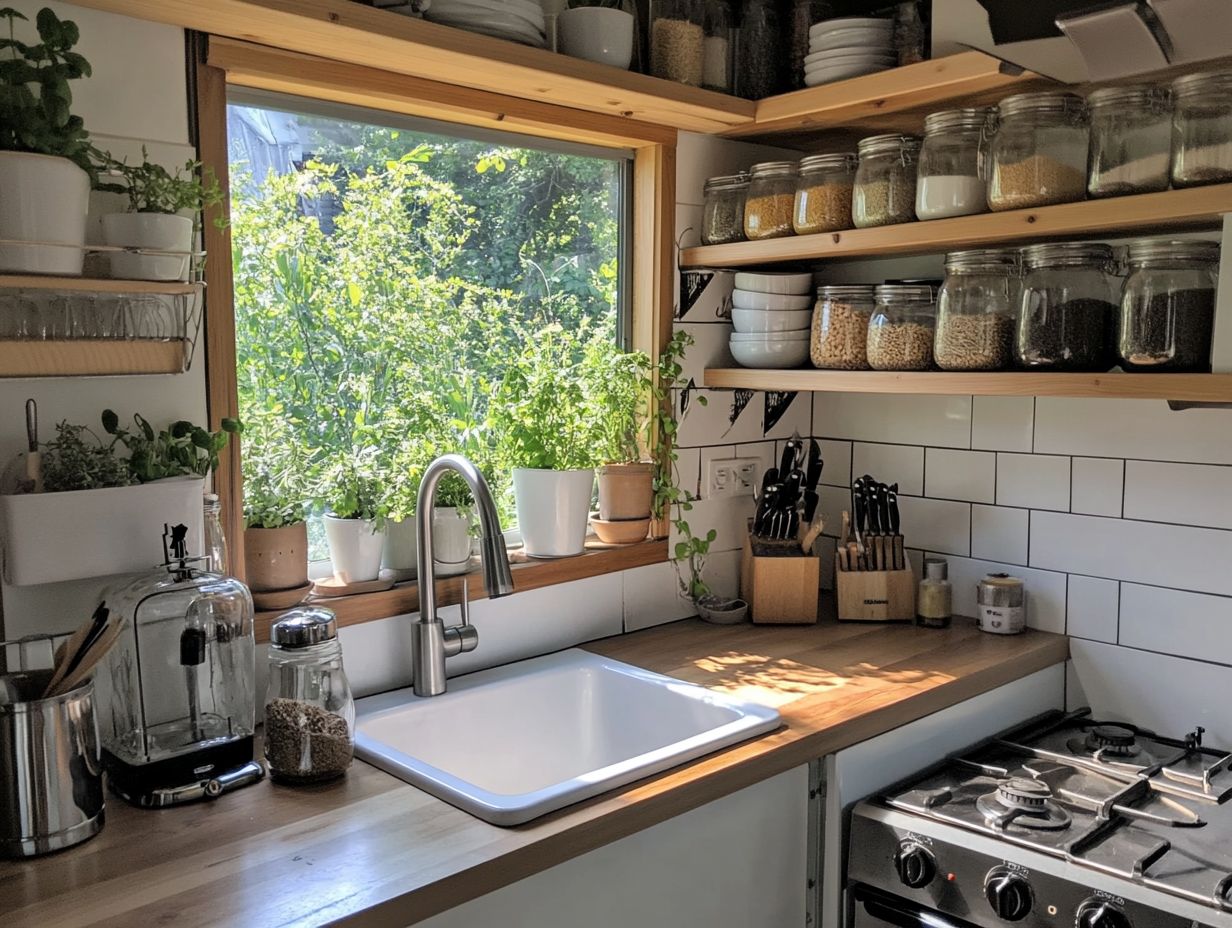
(1067, 313)
(1168, 306)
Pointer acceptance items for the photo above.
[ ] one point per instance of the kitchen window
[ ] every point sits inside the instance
(387, 270)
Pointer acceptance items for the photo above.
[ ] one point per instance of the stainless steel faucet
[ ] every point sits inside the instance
(432, 642)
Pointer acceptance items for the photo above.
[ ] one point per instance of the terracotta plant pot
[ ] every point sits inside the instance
(625, 491)
(276, 558)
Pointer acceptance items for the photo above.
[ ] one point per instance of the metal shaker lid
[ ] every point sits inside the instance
(936, 568)
(304, 627)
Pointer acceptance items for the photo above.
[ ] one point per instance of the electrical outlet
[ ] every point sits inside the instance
(728, 477)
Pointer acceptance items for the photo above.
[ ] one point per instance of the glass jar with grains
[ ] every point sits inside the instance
(760, 61)
(950, 181)
(1066, 316)
(1131, 140)
(976, 306)
(717, 47)
(1202, 129)
(771, 200)
(677, 40)
(723, 209)
(309, 712)
(1038, 152)
(1168, 306)
(839, 339)
(823, 193)
(900, 333)
(884, 191)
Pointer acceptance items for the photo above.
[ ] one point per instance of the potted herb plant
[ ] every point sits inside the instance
(621, 393)
(541, 421)
(275, 531)
(162, 216)
(452, 520)
(46, 159)
(355, 520)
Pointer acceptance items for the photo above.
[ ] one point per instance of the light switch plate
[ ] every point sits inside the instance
(729, 477)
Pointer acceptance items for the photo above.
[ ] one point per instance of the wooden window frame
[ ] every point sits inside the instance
(221, 62)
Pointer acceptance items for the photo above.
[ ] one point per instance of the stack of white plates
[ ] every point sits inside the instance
(842, 48)
(516, 20)
(771, 314)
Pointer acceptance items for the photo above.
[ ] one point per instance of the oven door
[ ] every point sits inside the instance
(875, 909)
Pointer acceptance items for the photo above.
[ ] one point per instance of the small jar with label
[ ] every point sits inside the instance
(1131, 140)
(771, 200)
(823, 193)
(951, 182)
(723, 209)
(1202, 129)
(884, 191)
(1001, 605)
(934, 604)
(839, 339)
(900, 333)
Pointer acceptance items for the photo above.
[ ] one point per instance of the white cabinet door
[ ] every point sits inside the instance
(737, 862)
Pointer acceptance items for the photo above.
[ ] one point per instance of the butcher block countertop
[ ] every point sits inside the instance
(370, 850)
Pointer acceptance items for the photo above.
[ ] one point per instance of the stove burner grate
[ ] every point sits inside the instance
(1022, 801)
(1107, 740)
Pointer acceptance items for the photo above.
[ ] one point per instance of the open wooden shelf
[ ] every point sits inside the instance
(896, 100)
(1191, 388)
(96, 285)
(1194, 208)
(341, 30)
(91, 357)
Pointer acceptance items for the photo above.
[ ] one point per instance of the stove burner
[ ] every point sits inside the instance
(1022, 801)
(1108, 741)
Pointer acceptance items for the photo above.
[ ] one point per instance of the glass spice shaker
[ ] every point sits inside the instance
(760, 56)
(309, 712)
(677, 40)
(934, 606)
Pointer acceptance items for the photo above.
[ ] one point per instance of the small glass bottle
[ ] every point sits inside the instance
(723, 209)
(934, 605)
(309, 712)
(218, 559)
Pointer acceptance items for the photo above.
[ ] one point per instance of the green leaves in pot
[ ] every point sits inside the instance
(77, 459)
(151, 188)
(183, 449)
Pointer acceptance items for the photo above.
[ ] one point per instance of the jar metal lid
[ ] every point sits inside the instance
(881, 144)
(936, 568)
(726, 181)
(1000, 590)
(304, 627)
(949, 120)
(1066, 254)
(903, 293)
(773, 169)
(991, 259)
(834, 159)
(1148, 95)
(860, 292)
(1212, 82)
(1021, 103)
(1147, 249)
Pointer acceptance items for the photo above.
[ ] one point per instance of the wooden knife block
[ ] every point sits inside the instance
(875, 595)
(780, 590)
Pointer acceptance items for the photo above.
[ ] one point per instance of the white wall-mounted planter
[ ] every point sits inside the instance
(355, 548)
(156, 231)
(553, 509)
(52, 537)
(42, 199)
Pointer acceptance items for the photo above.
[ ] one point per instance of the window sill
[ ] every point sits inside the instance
(528, 574)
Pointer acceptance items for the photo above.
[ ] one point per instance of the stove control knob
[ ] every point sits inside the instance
(1097, 913)
(915, 865)
(1009, 894)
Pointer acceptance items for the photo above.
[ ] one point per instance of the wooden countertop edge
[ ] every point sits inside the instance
(647, 803)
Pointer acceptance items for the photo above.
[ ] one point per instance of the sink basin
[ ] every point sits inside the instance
(516, 742)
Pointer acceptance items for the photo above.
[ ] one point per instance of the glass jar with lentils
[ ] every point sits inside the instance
(771, 200)
(976, 307)
(884, 192)
(823, 193)
(723, 209)
(839, 339)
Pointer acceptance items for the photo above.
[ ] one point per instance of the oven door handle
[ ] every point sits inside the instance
(901, 914)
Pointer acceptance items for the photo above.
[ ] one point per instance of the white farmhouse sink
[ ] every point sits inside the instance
(516, 742)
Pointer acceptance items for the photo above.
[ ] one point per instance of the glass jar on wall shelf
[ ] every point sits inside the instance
(951, 182)
(760, 56)
(804, 15)
(1167, 316)
(1131, 140)
(1202, 129)
(677, 40)
(884, 192)
(900, 332)
(823, 193)
(1038, 152)
(976, 308)
(1067, 314)
(771, 200)
(723, 209)
(839, 337)
(718, 46)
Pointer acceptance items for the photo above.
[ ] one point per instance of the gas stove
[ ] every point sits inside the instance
(1068, 821)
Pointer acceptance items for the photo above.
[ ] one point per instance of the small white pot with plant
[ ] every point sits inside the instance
(47, 163)
(161, 217)
(452, 523)
(354, 522)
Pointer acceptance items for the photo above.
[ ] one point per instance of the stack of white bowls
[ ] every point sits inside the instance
(771, 315)
(849, 47)
(517, 20)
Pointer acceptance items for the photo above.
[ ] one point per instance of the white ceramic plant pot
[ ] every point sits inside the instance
(596, 34)
(355, 548)
(42, 199)
(157, 231)
(451, 540)
(401, 551)
(553, 508)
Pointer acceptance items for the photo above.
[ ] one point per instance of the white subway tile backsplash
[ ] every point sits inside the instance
(686, 469)
(837, 458)
(965, 475)
(1146, 552)
(688, 224)
(833, 501)
(709, 349)
(1002, 423)
(728, 517)
(795, 420)
(1143, 429)
(1045, 590)
(1193, 625)
(999, 533)
(1033, 481)
(720, 420)
(901, 464)
(937, 421)
(652, 597)
(1092, 608)
(936, 524)
(1191, 494)
(1097, 486)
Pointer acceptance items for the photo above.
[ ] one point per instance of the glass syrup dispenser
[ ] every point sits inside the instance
(177, 690)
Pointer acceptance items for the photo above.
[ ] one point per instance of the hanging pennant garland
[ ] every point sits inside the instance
(692, 285)
(686, 394)
(777, 404)
(740, 399)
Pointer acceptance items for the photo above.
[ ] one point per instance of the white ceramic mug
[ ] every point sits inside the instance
(596, 34)
(451, 538)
